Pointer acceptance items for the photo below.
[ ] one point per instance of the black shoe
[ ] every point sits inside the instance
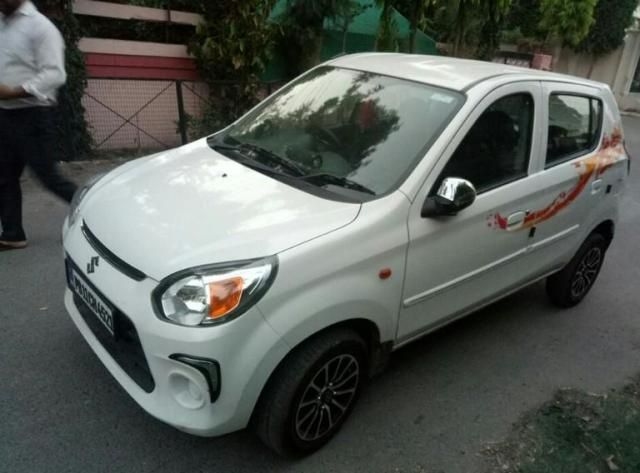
(12, 245)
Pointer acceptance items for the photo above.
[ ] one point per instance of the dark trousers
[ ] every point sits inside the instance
(26, 139)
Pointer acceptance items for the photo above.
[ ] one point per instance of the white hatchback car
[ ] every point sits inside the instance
(261, 275)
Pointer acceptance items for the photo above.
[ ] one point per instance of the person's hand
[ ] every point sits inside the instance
(7, 93)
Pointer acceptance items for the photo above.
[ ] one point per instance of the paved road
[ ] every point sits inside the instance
(441, 400)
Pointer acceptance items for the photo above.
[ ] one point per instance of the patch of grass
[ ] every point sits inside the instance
(576, 432)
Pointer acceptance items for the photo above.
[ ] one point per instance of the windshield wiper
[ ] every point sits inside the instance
(323, 178)
(246, 160)
(241, 148)
(292, 166)
(219, 145)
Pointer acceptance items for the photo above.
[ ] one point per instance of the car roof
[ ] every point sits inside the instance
(452, 73)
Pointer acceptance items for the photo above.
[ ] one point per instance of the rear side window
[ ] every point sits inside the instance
(574, 127)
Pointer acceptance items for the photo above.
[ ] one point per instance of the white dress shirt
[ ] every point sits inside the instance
(31, 57)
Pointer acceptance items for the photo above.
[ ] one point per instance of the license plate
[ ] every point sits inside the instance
(98, 306)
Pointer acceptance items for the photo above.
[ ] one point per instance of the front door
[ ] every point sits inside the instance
(457, 262)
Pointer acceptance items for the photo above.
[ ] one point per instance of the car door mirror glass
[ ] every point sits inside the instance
(454, 195)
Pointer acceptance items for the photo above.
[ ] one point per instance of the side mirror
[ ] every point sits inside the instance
(454, 195)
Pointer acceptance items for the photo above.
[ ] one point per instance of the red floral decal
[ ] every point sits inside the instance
(611, 151)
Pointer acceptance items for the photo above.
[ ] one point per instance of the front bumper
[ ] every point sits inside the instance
(246, 350)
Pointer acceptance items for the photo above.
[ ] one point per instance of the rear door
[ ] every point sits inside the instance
(569, 172)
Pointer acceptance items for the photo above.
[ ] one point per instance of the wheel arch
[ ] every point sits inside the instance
(378, 352)
(606, 229)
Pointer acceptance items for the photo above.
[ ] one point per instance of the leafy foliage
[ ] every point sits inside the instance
(135, 30)
(419, 12)
(303, 29)
(494, 14)
(612, 17)
(181, 5)
(387, 39)
(460, 22)
(417, 16)
(439, 20)
(568, 22)
(74, 140)
(465, 17)
(525, 16)
(347, 12)
(231, 48)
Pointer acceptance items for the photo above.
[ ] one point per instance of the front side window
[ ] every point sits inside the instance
(497, 148)
(574, 127)
(340, 128)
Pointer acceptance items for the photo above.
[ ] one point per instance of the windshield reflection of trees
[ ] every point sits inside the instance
(351, 125)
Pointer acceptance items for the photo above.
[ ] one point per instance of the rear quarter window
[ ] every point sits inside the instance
(575, 124)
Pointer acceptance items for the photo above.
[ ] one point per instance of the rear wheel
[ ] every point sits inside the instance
(312, 393)
(569, 286)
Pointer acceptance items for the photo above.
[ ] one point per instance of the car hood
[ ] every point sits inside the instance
(192, 206)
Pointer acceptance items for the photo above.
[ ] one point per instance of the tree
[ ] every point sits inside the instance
(439, 20)
(445, 20)
(494, 14)
(464, 15)
(525, 15)
(568, 22)
(345, 15)
(417, 13)
(182, 5)
(303, 24)
(612, 18)
(386, 38)
(231, 48)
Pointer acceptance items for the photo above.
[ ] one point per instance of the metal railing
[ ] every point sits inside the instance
(135, 116)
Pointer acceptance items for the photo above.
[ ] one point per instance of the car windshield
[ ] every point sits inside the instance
(344, 130)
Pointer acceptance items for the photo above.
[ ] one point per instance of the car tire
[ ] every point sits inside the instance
(569, 286)
(312, 393)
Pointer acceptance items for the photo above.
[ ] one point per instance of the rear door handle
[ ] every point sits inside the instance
(596, 186)
(516, 219)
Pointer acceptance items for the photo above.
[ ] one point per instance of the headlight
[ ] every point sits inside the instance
(210, 295)
(79, 195)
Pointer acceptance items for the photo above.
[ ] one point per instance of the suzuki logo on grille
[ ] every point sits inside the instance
(93, 264)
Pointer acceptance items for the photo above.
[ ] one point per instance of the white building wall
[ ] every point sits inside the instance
(616, 69)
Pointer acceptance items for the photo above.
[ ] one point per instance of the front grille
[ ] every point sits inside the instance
(124, 347)
(122, 266)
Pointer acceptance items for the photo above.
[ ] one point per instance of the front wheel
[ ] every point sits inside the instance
(312, 393)
(569, 286)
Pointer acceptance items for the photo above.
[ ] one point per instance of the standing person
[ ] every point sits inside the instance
(31, 72)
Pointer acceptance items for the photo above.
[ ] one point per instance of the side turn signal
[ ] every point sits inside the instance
(224, 296)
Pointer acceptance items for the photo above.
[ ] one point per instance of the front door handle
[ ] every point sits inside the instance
(516, 219)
